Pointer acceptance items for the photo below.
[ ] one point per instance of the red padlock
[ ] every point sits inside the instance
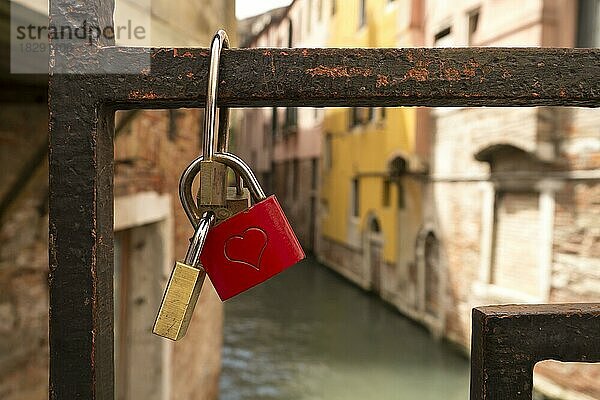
(251, 246)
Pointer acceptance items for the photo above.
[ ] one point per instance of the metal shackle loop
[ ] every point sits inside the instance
(233, 162)
(192, 256)
(219, 42)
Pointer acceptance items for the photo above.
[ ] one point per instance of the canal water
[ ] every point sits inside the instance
(309, 334)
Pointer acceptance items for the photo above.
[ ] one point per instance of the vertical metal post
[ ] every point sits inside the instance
(81, 214)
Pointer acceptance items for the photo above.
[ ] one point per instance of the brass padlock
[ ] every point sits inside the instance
(213, 185)
(236, 200)
(184, 286)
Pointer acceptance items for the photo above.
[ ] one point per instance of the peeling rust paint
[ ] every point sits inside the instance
(382, 80)
(138, 95)
(417, 74)
(470, 68)
(451, 74)
(338, 72)
(185, 54)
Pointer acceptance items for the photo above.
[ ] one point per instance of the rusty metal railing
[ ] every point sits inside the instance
(82, 106)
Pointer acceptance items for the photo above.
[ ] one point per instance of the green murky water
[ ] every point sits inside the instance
(309, 334)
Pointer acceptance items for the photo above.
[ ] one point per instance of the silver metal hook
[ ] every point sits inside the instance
(220, 41)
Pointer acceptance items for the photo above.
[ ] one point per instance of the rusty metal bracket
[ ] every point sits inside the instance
(507, 341)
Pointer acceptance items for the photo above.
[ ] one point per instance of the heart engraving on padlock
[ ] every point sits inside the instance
(247, 248)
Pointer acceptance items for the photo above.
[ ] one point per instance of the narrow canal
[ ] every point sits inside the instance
(309, 334)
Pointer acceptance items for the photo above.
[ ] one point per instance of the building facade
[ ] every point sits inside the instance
(512, 195)
(373, 162)
(283, 144)
(441, 210)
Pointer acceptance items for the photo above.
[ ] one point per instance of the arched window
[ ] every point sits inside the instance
(374, 226)
(397, 167)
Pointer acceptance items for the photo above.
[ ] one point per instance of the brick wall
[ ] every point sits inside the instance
(343, 259)
(23, 254)
(561, 151)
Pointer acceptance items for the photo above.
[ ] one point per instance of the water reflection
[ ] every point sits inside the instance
(308, 334)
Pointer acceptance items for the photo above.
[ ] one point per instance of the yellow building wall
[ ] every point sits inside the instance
(364, 151)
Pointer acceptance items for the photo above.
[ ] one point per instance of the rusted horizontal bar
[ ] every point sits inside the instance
(507, 342)
(354, 77)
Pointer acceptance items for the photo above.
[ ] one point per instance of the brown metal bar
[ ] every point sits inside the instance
(81, 215)
(507, 342)
(355, 77)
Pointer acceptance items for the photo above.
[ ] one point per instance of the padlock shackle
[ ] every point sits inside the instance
(209, 147)
(232, 161)
(192, 257)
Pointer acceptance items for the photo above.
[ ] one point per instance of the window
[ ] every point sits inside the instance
(355, 198)
(387, 193)
(397, 167)
(172, 132)
(361, 115)
(362, 13)
(274, 122)
(370, 114)
(400, 187)
(291, 119)
(354, 119)
(443, 38)
(473, 25)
